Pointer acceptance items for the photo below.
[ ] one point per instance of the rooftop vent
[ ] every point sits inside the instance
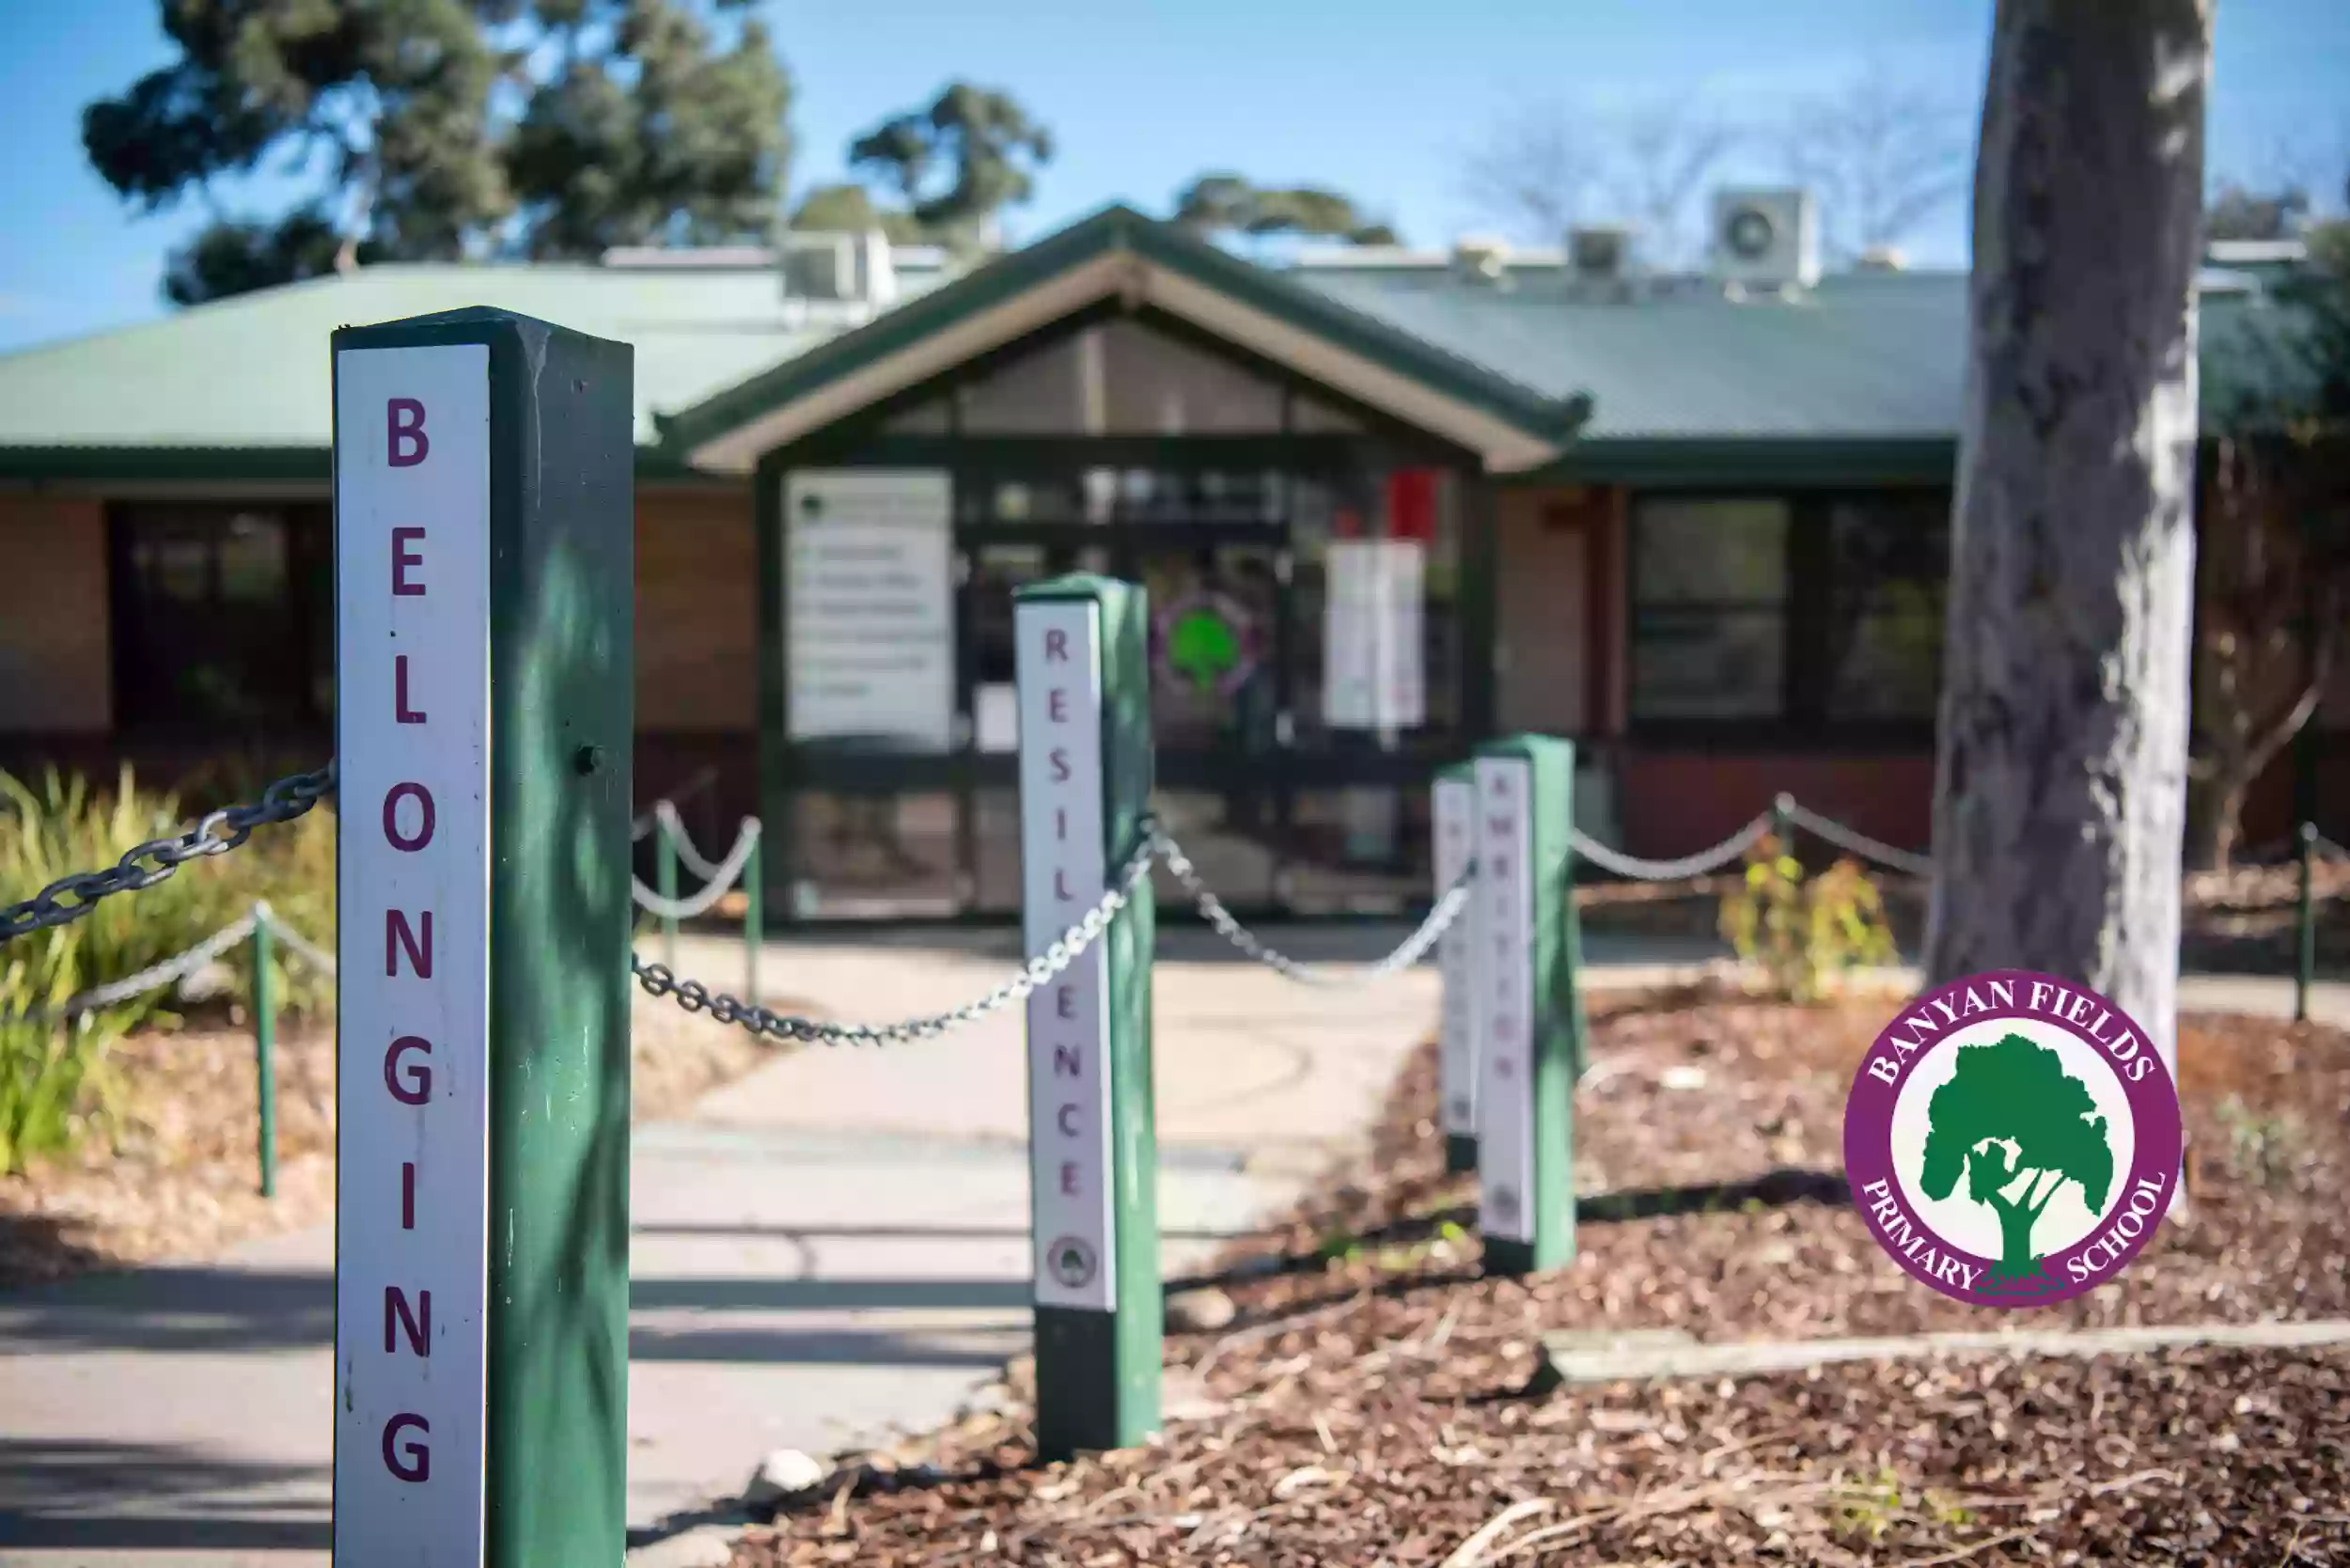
(1766, 239)
(1481, 258)
(1600, 253)
(1882, 259)
(852, 267)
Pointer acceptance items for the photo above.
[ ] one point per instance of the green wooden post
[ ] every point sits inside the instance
(1534, 1019)
(485, 583)
(665, 873)
(1452, 815)
(265, 1049)
(2305, 926)
(754, 912)
(1085, 789)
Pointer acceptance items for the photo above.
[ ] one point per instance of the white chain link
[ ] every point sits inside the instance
(1447, 909)
(721, 876)
(1854, 842)
(657, 980)
(2323, 848)
(1621, 864)
(689, 855)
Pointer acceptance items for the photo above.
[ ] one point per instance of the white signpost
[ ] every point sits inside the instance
(1505, 894)
(1460, 956)
(412, 506)
(868, 612)
(1063, 869)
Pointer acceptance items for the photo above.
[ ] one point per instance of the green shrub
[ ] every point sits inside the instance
(52, 1076)
(1804, 933)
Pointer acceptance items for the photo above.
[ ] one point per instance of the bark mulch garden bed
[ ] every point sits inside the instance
(171, 1170)
(1375, 1401)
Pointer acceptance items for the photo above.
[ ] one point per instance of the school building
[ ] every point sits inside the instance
(1387, 504)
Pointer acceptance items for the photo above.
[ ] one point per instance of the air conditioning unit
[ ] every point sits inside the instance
(1600, 253)
(1766, 238)
(839, 267)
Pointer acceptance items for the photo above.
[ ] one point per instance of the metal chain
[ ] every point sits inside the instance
(2325, 849)
(657, 981)
(1632, 866)
(217, 834)
(1857, 843)
(1446, 910)
(722, 876)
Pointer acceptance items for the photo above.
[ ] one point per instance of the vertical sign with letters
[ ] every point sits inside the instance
(1454, 808)
(1063, 873)
(1505, 889)
(412, 582)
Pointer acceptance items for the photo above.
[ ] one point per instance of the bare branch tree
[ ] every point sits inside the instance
(1662, 155)
(1884, 154)
(1536, 173)
(1546, 166)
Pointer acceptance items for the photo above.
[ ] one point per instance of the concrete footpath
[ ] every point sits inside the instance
(829, 1250)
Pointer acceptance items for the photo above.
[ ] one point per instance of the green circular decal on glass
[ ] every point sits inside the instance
(1207, 643)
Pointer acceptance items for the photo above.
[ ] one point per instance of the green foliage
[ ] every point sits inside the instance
(957, 165)
(53, 1074)
(849, 209)
(1227, 204)
(2262, 1149)
(1804, 933)
(430, 130)
(2011, 1113)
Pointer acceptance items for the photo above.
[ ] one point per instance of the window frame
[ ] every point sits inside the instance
(1806, 606)
(307, 525)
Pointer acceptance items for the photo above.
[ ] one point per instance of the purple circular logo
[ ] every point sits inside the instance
(2013, 1139)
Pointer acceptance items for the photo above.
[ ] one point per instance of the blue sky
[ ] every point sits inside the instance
(1387, 99)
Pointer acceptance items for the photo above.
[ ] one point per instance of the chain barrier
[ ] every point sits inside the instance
(1447, 909)
(689, 855)
(721, 874)
(172, 970)
(656, 980)
(1856, 843)
(297, 944)
(643, 823)
(2325, 849)
(1640, 869)
(217, 834)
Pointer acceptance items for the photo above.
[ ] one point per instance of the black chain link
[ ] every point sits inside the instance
(217, 834)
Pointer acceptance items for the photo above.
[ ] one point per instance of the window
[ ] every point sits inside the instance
(1125, 378)
(1888, 560)
(223, 615)
(1816, 611)
(1709, 608)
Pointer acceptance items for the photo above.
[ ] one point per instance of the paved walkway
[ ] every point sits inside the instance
(832, 1247)
(829, 1249)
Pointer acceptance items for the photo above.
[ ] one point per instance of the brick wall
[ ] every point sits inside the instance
(54, 676)
(697, 613)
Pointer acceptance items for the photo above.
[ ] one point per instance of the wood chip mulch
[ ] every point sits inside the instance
(1370, 1404)
(170, 1169)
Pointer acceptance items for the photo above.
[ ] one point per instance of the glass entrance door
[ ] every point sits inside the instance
(1219, 647)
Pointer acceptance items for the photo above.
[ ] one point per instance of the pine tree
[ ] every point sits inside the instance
(430, 130)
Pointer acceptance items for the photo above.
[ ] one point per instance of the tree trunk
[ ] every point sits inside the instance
(2061, 784)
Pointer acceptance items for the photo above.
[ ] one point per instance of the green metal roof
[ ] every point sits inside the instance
(1547, 412)
(1679, 376)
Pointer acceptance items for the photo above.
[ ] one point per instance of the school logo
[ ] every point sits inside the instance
(2013, 1139)
(1071, 1262)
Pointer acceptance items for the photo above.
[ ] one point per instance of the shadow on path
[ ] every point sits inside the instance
(147, 1496)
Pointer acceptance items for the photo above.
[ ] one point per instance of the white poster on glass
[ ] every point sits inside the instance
(1373, 673)
(869, 607)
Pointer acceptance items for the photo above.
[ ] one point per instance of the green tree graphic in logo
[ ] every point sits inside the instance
(2012, 1111)
(1202, 648)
